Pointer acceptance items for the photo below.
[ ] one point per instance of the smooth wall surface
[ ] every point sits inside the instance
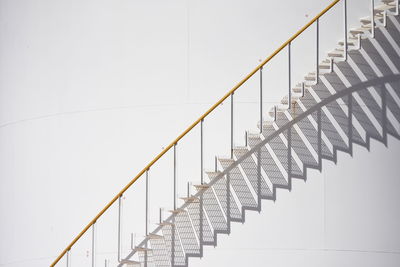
(91, 91)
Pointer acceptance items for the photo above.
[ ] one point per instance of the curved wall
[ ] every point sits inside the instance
(90, 91)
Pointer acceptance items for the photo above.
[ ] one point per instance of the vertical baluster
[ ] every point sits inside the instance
(290, 77)
(132, 241)
(94, 244)
(317, 54)
(175, 176)
(384, 18)
(232, 126)
(68, 259)
(345, 29)
(173, 217)
(201, 152)
(119, 227)
(147, 217)
(372, 19)
(261, 102)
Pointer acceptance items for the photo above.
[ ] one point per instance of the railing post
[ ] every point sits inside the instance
(261, 101)
(68, 259)
(317, 62)
(372, 19)
(201, 152)
(384, 18)
(147, 204)
(232, 126)
(93, 244)
(290, 77)
(119, 227)
(175, 176)
(397, 7)
(345, 46)
(147, 217)
(133, 241)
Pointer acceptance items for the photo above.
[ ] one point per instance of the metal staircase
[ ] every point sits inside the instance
(353, 96)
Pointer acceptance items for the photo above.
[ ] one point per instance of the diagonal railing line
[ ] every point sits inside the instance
(194, 124)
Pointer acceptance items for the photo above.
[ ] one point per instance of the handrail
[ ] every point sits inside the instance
(202, 117)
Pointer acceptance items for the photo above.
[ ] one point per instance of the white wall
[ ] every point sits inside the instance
(91, 91)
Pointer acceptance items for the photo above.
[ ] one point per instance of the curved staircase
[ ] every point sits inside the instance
(352, 97)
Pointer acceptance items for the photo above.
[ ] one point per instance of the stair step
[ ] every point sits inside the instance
(176, 211)
(310, 78)
(325, 66)
(350, 43)
(381, 8)
(142, 249)
(294, 98)
(165, 223)
(358, 31)
(201, 186)
(266, 122)
(189, 199)
(131, 263)
(335, 53)
(297, 90)
(155, 236)
(367, 20)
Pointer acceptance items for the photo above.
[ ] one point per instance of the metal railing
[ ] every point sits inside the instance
(200, 121)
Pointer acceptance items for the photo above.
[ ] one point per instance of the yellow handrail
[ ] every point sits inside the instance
(190, 128)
